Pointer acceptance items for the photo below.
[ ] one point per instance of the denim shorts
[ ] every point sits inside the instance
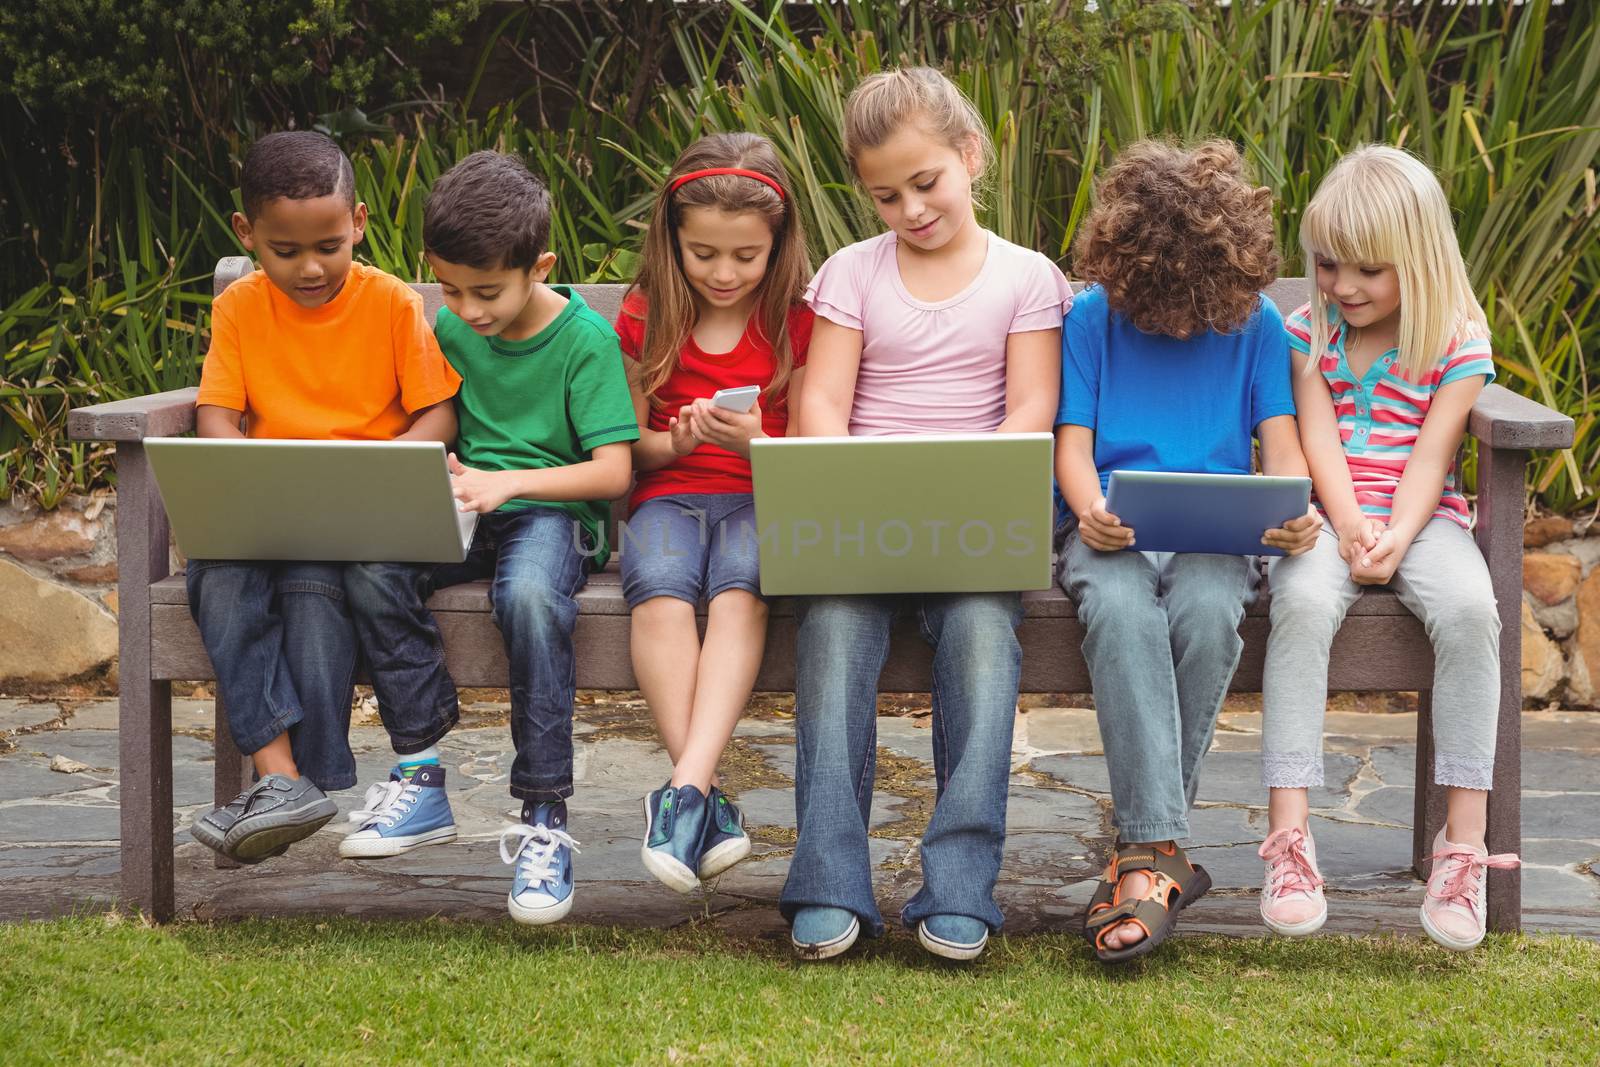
(692, 546)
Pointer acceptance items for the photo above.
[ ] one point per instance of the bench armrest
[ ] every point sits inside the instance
(157, 415)
(1503, 419)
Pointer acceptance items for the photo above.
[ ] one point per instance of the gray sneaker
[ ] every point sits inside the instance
(211, 828)
(273, 814)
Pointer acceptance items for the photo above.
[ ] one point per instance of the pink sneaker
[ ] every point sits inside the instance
(1456, 907)
(1291, 893)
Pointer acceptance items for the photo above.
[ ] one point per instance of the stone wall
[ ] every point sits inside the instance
(58, 602)
(58, 592)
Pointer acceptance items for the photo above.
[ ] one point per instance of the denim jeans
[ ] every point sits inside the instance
(977, 663)
(284, 651)
(533, 558)
(1162, 642)
(691, 546)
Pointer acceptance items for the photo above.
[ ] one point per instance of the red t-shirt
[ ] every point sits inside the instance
(709, 468)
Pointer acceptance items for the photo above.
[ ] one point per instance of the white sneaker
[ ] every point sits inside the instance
(1455, 910)
(1292, 903)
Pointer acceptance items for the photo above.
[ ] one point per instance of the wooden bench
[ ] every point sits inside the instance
(1381, 647)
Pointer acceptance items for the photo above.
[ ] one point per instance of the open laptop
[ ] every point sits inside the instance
(926, 513)
(1224, 514)
(340, 501)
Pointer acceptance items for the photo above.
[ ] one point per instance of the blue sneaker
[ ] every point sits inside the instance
(400, 815)
(819, 933)
(954, 937)
(725, 842)
(540, 850)
(674, 824)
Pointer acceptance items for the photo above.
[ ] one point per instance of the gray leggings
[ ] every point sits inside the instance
(1444, 581)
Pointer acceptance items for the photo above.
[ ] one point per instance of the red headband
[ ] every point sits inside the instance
(711, 172)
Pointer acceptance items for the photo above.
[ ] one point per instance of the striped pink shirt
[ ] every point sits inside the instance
(1381, 414)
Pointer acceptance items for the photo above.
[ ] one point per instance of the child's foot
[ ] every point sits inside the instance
(820, 933)
(1456, 907)
(275, 813)
(725, 843)
(674, 826)
(541, 851)
(1291, 890)
(211, 829)
(401, 814)
(954, 937)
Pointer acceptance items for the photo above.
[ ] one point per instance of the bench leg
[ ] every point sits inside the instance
(230, 772)
(1428, 812)
(144, 721)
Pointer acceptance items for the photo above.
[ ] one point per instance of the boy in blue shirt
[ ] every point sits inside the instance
(546, 422)
(1171, 362)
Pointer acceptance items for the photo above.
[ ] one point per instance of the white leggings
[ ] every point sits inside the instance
(1444, 581)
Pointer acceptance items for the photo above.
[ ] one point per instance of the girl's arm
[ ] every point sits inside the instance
(796, 380)
(1281, 455)
(1422, 484)
(605, 475)
(211, 420)
(832, 363)
(1033, 381)
(1080, 487)
(1324, 454)
(655, 448)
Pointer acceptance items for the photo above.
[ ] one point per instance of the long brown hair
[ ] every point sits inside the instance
(670, 311)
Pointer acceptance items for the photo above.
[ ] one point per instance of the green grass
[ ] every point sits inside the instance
(98, 989)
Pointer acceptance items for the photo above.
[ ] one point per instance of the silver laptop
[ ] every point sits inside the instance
(341, 501)
(925, 513)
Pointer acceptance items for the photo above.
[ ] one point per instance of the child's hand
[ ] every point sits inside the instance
(726, 429)
(1377, 565)
(1103, 531)
(480, 491)
(1297, 535)
(1358, 539)
(684, 440)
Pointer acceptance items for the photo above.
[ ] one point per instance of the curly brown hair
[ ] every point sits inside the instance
(1179, 238)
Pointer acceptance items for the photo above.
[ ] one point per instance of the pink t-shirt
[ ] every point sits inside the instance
(935, 367)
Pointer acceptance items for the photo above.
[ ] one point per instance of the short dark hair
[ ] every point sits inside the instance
(295, 165)
(489, 212)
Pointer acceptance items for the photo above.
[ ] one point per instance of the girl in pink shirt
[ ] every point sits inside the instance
(935, 326)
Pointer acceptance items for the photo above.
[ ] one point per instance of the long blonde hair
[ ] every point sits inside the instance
(1382, 205)
(884, 103)
(670, 312)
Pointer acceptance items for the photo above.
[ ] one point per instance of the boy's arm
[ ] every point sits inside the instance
(436, 422)
(1422, 484)
(1080, 487)
(1281, 455)
(1033, 381)
(210, 420)
(832, 363)
(605, 475)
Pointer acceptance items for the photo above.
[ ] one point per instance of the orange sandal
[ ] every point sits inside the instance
(1175, 883)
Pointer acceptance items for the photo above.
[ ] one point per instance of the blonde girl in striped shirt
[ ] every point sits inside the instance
(1390, 354)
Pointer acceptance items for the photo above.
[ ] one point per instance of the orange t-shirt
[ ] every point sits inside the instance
(355, 369)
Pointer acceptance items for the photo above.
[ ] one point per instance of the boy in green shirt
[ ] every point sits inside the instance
(546, 421)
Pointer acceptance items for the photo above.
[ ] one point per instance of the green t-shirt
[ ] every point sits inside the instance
(547, 401)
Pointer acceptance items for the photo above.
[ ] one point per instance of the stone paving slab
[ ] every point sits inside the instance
(58, 831)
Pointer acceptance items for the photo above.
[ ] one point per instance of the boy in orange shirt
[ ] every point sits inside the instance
(310, 346)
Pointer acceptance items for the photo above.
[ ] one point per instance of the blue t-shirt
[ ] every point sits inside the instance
(1160, 404)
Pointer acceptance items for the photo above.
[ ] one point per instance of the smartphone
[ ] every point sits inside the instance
(738, 400)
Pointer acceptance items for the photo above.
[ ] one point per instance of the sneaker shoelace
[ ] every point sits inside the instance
(1290, 867)
(534, 851)
(387, 802)
(1459, 872)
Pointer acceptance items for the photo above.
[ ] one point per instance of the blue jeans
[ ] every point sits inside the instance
(284, 651)
(537, 570)
(691, 546)
(977, 664)
(1162, 644)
